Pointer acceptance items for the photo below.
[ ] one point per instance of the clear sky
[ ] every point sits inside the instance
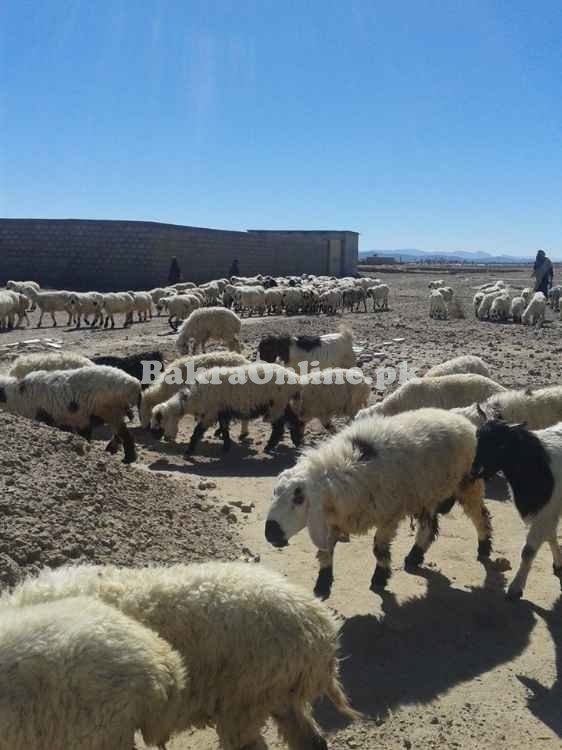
(433, 124)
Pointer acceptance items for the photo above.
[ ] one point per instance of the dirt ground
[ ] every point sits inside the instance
(441, 660)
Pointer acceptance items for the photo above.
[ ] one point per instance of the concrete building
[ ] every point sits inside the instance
(104, 255)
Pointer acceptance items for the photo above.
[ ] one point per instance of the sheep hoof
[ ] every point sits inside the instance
(380, 578)
(130, 459)
(484, 549)
(111, 447)
(414, 558)
(513, 594)
(244, 437)
(227, 445)
(323, 587)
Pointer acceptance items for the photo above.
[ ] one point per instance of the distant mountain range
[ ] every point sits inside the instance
(411, 254)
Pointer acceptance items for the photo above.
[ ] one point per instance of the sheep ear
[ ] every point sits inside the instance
(317, 527)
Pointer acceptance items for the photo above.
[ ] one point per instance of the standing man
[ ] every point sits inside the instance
(234, 270)
(174, 274)
(543, 271)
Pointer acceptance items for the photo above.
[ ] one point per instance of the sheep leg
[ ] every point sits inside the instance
(556, 557)
(54, 320)
(381, 550)
(129, 450)
(224, 431)
(298, 730)
(244, 431)
(196, 436)
(471, 498)
(428, 529)
(277, 432)
(540, 531)
(325, 579)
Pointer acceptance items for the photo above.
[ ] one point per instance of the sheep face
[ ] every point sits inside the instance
(492, 448)
(271, 347)
(289, 509)
(166, 417)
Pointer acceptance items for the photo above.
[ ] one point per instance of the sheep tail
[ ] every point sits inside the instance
(335, 692)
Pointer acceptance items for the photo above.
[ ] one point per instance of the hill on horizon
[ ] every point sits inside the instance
(472, 256)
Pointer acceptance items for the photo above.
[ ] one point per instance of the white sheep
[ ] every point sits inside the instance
(436, 284)
(326, 394)
(83, 304)
(437, 306)
(486, 303)
(209, 323)
(76, 399)
(179, 307)
(222, 393)
(443, 392)
(535, 311)
(142, 305)
(331, 301)
(517, 309)
(50, 302)
(527, 293)
(293, 299)
(78, 673)
(532, 464)
(379, 295)
(182, 286)
(176, 375)
(466, 363)
(249, 299)
(329, 350)
(13, 308)
(273, 301)
(375, 473)
(156, 295)
(447, 293)
(253, 645)
(476, 300)
(27, 363)
(554, 296)
(500, 307)
(117, 302)
(537, 408)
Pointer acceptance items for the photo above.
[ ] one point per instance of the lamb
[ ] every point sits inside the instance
(476, 300)
(436, 284)
(329, 393)
(464, 364)
(133, 364)
(444, 392)
(50, 302)
(180, 306)
(554, 297)
(486, 303)
(207, 323)
(20, 286)
(499, 310)
(535, 311)
(13, 304)
(538, 408)
(156, 295)
(76, 399)
(182, 286)
(27, 363)
(223, 393)
(532, 464)
(446, 292)
(83, 304)
(379, 295)
(117, 302)
(437, 306)
(254, 645)
(517, 309)
(293, 298)
(527, 294)
(329, 350)
(249, 299)
(142, 305)
(330, 302)
(78, 673)
(176, 375)
(353, 299)
(273, 300)
(375, 473)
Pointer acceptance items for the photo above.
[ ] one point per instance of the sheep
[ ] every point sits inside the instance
(486, 304)
(476, 300)
(447, 293)
(76, 399)
(83, 304)
(329, 350)
(132, 364)
(353, 299)
(538, 408)
(117, 302)
(182, 286)
(12, 305)
(500, 307)
(228, 295)
(19, 286)
(517, 308)
(293, 299)
(273, 300)
(535, 311)
(156, 295)
(142, 305)
(333, 392)
(250, 299)
(77, 673)
(375, 473)
(27, 363)
(253, 645)
(206, 323)
(330, 302)
(180, 307)
(212, 292)
(554, 297)
(223, 393)
(437, 306)
(527, 293)
(50, 302)
(176, 375)
(464, 364)
(436, 284)
(443, 392)
(532, 464)
(379, 295)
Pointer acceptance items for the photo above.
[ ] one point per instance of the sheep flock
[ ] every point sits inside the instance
(94, 655)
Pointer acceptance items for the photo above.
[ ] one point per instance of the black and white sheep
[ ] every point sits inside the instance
(76, 399)
(532, 464)
(329, 350)
(133, 364)
(254, 646)
(375, 473)
(78, 673)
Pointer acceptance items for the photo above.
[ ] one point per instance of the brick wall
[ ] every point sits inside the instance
(114, 255)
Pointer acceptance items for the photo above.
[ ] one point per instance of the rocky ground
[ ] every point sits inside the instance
(441, 660)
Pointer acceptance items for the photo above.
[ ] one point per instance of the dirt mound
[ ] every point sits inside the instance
(64, 500)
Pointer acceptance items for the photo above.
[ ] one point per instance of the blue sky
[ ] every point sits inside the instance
(429, 124)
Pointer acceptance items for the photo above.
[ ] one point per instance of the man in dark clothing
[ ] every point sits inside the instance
(543, 272)
(234, 270)
(174, 274)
